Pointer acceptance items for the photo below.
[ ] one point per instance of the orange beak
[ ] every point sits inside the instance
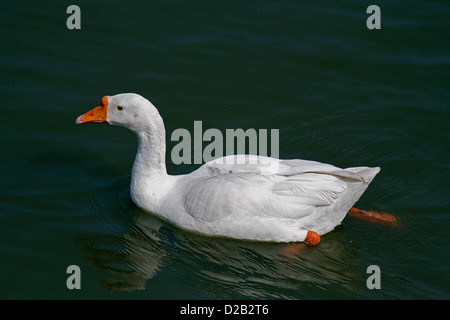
(96, 115)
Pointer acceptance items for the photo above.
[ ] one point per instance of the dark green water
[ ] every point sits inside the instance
(338, 92)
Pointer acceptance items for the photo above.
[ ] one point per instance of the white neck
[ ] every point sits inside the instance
(150, 159)
(149, 173)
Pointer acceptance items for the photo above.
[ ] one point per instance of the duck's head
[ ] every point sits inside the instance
(129, 110)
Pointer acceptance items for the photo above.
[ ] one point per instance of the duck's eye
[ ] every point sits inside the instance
(120, 108)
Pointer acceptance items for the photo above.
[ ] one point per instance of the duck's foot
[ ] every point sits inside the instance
(374, 216)
(293, 249)
(312, 238)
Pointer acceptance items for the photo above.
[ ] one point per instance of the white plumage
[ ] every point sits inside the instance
(263, 199)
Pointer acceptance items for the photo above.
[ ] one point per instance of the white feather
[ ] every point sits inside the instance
(243, 196)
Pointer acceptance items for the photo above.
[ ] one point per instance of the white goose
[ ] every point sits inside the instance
(280, 201)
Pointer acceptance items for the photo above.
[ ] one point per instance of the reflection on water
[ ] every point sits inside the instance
(218, 267)
(130, 259)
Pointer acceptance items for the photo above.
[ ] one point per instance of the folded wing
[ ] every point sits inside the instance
(245, 186)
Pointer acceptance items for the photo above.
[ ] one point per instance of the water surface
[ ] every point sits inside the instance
(338, 92)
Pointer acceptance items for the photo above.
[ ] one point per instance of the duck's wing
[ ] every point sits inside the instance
(245, 186)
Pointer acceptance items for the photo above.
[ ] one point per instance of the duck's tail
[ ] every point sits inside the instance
(375, 217)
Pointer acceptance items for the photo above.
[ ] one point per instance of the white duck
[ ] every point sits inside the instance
(279, 201)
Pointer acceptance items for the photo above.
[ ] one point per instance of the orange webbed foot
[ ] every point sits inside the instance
(312, 238)
(374, 216)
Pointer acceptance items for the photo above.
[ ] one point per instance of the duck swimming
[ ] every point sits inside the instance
(239, 196)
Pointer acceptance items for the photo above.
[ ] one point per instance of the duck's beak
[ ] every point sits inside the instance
(96, 115)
